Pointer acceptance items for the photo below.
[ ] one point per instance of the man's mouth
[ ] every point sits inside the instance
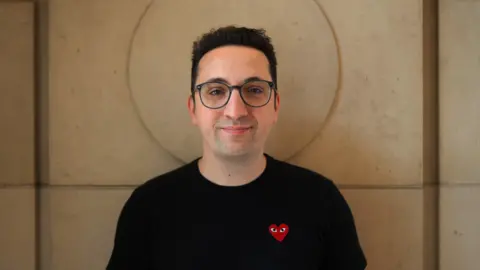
(236, 129)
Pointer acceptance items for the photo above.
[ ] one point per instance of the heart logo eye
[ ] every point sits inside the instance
(274, 230)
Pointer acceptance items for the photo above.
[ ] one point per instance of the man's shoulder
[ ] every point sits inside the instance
(167, 182)
(307, 186)
(301, 174)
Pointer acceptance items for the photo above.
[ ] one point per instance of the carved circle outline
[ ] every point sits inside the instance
(316, 135)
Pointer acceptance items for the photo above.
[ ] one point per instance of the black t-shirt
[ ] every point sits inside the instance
(287, 218)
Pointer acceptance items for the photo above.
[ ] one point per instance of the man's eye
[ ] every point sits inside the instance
(256, 90)
(216, 92)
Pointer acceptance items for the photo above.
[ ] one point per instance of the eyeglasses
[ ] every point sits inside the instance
(254, 93)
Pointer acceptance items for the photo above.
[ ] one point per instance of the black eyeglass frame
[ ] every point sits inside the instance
(271, 85)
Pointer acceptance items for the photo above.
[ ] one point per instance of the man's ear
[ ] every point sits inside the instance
(191, 108)
(277, 101)
(276, 107)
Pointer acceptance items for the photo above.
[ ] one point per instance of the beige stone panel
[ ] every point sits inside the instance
(78, 226)
(375, 130)
(459, 91)
(459, 227)
(95, 135)
(17, 93)
(394, 226)
(430, 227)
(374, 136)
(17, 228)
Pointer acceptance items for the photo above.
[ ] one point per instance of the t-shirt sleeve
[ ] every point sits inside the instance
(130, 244)
(343, 249)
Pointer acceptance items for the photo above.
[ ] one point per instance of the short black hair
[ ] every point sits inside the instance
(233, 35)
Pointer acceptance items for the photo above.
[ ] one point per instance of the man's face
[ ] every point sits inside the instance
(235, 129)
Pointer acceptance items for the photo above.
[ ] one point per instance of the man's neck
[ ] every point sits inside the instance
(234, 171)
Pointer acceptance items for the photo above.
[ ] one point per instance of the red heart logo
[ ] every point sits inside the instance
(278, 232)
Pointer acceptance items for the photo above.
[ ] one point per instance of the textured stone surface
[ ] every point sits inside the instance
(92, 214)
(95, 135)
(17, 228)
(459, 23)
(373, 135)
(394, 227)
(459, 227)
(17, 93)
(459, 91)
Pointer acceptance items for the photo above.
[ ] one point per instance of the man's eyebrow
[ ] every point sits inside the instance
(222, 80)
(218, 79)
(254, 78)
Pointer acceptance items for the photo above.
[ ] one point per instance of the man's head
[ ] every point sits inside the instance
(234, 122)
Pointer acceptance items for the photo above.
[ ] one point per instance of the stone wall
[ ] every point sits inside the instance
(388, 92)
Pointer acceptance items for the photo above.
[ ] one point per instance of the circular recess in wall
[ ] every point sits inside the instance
(159, 68)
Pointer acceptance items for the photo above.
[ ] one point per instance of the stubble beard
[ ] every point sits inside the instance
(234, 146)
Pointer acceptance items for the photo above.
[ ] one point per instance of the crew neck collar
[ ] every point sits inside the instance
(262, 178)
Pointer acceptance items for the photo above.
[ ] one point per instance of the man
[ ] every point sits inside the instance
(236, 207)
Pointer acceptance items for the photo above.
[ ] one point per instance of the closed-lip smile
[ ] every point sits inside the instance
(236, 129)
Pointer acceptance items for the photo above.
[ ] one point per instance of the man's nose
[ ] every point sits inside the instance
(235, 107)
